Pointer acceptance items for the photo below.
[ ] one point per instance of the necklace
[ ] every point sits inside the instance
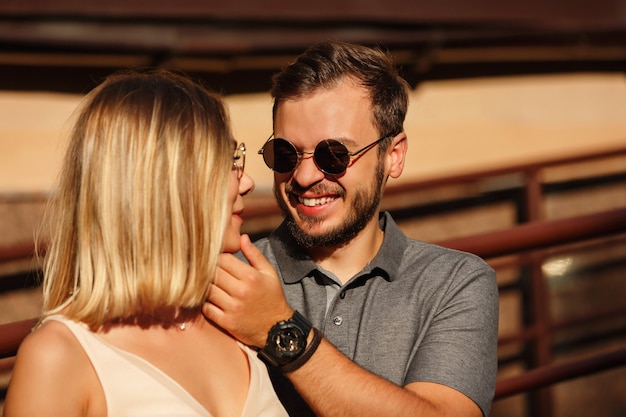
(180, 321)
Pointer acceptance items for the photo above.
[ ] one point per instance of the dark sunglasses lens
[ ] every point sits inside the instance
(332, 157)
(280, 155)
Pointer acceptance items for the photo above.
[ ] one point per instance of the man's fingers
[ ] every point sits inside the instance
(212, 312)
(218, 297)
(229, 264)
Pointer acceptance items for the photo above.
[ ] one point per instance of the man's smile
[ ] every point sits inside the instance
(317, 201)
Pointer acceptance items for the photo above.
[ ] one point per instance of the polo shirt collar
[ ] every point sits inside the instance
(295, 263)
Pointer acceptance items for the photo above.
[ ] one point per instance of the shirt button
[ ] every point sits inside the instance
(342, 295)
(338, 320)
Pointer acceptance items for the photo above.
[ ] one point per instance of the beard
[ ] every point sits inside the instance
(364, 206)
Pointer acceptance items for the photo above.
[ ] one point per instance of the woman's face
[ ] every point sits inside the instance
(240, 185)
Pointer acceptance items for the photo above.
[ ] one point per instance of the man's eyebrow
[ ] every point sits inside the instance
(345, 140)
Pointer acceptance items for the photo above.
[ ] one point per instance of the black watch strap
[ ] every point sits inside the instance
(301, 321)
(306, 355)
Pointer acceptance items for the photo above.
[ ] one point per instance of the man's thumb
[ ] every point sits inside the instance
(252, 253)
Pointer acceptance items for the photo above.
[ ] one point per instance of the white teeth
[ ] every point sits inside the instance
(311, 202)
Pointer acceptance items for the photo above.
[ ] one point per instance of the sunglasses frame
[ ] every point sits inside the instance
(300, 154)
(239, 159)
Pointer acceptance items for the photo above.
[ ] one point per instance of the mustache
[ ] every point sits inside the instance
(318, 189)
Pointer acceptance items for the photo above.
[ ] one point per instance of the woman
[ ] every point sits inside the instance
(149, 196)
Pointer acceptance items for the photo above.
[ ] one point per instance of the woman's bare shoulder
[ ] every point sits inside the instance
(50, 345)
(51, 363)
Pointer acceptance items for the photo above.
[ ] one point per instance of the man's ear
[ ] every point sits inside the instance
(396, 155)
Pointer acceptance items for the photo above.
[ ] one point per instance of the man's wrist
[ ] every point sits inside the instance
(288, 346)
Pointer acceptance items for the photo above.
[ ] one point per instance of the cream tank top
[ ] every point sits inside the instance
(133, 387)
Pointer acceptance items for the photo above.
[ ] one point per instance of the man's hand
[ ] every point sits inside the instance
(246, 300)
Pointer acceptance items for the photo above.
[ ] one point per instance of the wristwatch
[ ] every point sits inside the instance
(286, 346)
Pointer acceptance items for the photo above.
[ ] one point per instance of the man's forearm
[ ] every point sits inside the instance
(333, 385)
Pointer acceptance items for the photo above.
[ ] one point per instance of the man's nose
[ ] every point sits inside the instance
(306, 172)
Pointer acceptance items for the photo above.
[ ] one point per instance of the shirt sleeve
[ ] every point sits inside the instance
(459, 349)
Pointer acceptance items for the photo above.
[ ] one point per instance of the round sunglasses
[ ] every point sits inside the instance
(331, 156)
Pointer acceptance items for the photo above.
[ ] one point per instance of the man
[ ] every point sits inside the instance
(409, 328)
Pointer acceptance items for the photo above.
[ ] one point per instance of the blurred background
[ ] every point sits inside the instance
(517, 149)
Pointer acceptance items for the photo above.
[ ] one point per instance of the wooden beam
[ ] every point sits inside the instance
(554, 12)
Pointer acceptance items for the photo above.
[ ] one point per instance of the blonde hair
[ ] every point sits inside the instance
(138, 219)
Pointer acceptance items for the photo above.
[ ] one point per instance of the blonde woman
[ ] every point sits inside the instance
(149, 196)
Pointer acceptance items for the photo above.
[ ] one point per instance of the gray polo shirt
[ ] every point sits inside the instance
(416, 312)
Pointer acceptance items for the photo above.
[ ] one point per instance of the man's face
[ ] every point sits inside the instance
(325, 210)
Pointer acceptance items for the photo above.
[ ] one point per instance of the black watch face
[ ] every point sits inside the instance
(289, 342)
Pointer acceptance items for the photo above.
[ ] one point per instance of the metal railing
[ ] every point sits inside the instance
(530, 237)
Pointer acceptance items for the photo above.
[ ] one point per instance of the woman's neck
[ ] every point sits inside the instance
(179, 318)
